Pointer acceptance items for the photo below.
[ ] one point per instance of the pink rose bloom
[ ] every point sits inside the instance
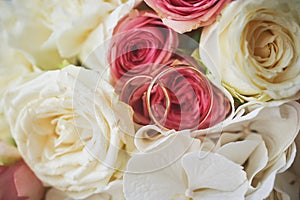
(141, 43)
(184, 16)
(220, 109)
(18, 182)
(180, 97)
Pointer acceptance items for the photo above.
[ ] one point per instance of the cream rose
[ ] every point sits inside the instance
(70, 129)
(254, 49)
(22, 21)
(13, 66)
(53, 31)
(114, 191)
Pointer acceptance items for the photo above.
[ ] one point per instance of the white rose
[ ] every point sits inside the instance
(114, 191)
(56, 30)
(70, 128)
(13, 66)
(26, 31)
(254, 49)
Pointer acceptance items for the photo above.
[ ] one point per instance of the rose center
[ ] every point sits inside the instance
(262, 43)
(269, 49)
(64, 130)
(263, 51)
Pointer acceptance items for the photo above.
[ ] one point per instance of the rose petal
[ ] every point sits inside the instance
(27, 185)
(69, 118)
(112, 192)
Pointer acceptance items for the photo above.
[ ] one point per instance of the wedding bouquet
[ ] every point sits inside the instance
(153, 99)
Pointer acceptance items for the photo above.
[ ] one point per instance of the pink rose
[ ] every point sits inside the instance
(220, 109)
(18, 182)
(140, 44)
(180, 97)
(184, 16)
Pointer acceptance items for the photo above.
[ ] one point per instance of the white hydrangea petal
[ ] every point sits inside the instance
(213, 195)
(273, 127)
(266, 183)
(208, 173)
(166, 183)
(290, 155)
(286, 184)
(270, 123)
(158, 174)
(150, 137)
(259, 158)
(238, 152)
(295, 167)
